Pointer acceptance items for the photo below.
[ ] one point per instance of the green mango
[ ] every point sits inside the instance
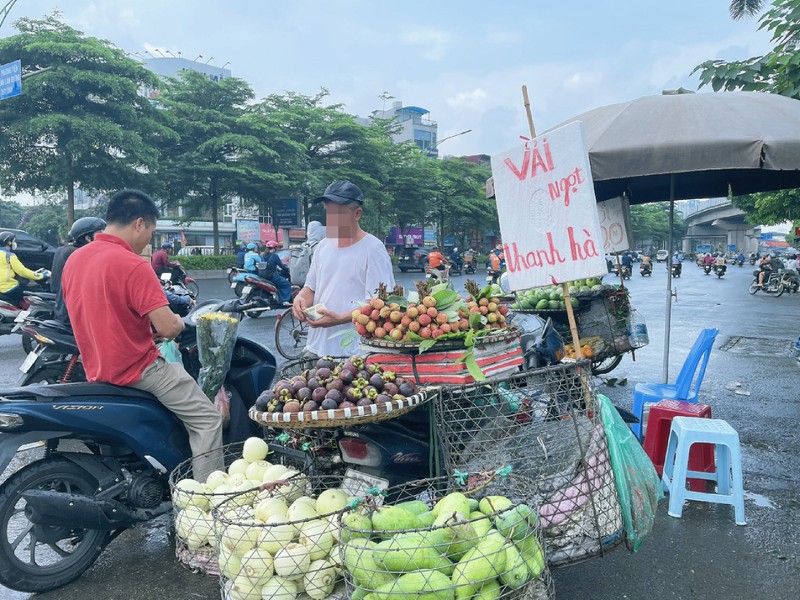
(553, 305)
(489, 591)
(408, 552)
(415, 507)
(360, 561)
(473, 504)
(424, 520)
(494, 504)
(355, 525)
(483, 562)
(517, 523)
(453, 502)
(390, 519)
(533, 554)
(481, 523)
(458, 533)
(516, 573)
(430, 585)
(542, 304)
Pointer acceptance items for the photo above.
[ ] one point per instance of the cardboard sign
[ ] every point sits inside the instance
(547, 210)
(615, 224)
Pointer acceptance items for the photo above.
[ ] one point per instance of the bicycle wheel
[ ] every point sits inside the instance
(290, 335)
(606, 365)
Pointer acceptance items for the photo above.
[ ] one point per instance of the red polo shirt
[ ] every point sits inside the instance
(109, 291)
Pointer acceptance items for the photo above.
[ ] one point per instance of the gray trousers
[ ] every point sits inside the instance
(175, 389)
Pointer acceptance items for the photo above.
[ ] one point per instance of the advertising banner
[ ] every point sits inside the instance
(547, 210)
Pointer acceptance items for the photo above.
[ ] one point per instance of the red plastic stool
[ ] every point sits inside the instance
(701, 456)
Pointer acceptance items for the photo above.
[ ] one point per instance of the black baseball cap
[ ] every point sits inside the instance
(342, 192)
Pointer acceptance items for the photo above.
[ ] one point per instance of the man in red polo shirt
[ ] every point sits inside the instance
(113, 297)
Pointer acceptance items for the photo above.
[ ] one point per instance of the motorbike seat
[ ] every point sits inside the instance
(60, 391)
(58, 325)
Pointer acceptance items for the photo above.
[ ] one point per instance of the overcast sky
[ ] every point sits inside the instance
(463, 60)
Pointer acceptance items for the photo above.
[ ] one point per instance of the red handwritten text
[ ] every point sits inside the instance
(581, 251)
(532, 161)
(516, 261)
(566, 185)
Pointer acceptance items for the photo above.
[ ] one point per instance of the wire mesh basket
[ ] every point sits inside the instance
(195, 544)
(278, 543)
(474, 536)
(544, 424)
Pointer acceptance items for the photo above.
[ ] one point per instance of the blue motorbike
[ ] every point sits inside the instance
(108, 451)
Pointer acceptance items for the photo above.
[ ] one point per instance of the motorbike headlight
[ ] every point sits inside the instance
(10, 421)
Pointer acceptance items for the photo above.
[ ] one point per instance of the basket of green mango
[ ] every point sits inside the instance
(473, 536)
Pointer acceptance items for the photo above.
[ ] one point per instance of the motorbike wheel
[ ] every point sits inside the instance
(37, 558)
(776, 291)
(231, 275)
(753, 288)
(606, 365)
(193, 288)
(29, 344)
(238, 289)
(256, 295)
(290, 335)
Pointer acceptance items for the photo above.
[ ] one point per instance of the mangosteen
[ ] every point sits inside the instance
(310, 405)
(349, 366)
(364, 402)
(313, 383)
(388, 375)
(398, 381)
(318, 394)
(324, 362)
(323, 374)
(310, 374)
(406, 389)
(347, 376)
(362, 374)
(292, 406)
(390, 388)
(347, 404)
(335, 384)
(263, 401)
(376, 381)
(297, 385)
(280, 386)
(370, 392)
(353, 394)
(361, 383)
(335, 395)
(279, 407)
(398, 397)
(328, 404)
(357, 361)
(303, 394)
(372, 369)
(383, 398)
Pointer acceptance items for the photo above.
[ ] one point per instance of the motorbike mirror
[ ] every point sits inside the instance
(505, 285)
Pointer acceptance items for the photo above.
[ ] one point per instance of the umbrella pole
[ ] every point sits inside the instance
(668, 313)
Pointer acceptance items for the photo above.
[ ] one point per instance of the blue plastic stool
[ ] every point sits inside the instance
(686, 431)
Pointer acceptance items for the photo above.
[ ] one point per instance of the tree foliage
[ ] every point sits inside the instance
(82, 122)
(650, 222)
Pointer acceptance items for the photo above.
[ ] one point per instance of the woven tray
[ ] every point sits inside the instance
(501, 335)
(343, 417)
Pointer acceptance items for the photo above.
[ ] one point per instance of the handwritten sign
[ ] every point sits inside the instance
(547, 210)
(615, 224)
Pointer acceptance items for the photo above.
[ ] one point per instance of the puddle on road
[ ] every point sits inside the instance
(753, 346)
(759, 500)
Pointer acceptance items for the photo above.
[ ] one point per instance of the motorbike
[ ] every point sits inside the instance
(707, 269)
(233, 272)
(752, 259)
(456, 265)
(624, 269)
(108, 453)
(645, 269)
(469, 263)
(178, 276)
(739, 261)
(676, 270)
(773, 284)
(431, 273)
(719, 270)
(36, 305)
(177, 287)
(255, 290)
(790, 280)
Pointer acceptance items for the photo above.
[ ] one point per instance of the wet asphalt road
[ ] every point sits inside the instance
(703, 555)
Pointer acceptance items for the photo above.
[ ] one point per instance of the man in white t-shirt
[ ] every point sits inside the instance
(348, 265)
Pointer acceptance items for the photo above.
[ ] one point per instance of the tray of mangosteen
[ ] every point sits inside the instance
(338, 393)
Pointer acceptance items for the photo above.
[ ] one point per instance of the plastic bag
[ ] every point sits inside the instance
(216, 337)
(638, 484)
(222, 402)
(169, 350)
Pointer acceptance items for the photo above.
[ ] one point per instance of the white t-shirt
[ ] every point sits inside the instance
(342, 279)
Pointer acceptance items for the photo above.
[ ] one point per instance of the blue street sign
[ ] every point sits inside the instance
(286, 212)
(10, 80)
(765, 236)
(731, 246)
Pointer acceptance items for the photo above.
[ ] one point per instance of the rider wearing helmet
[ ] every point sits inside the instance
(10, 289)
(160, 259)
(81, 233)
(277, 273)
(251, 258)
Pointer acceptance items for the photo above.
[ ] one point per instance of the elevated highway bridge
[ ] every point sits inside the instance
(718, 222)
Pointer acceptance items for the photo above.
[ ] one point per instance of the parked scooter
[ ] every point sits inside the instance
(645, 269)
(64, 508)
(259, 292)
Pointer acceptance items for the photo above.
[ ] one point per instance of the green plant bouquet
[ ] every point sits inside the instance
(216, 337)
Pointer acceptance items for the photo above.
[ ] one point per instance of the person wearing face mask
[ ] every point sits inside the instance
(11, 268)
(348, 266)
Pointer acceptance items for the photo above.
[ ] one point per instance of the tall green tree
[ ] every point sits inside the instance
(740, 9)
(224, 149)
(650, 222)
(777, 72)
(80, 121)
(10, 214)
